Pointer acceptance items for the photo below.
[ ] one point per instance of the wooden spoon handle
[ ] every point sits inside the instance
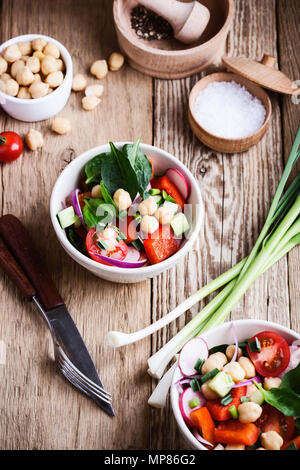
(21, 247)
(15, 273)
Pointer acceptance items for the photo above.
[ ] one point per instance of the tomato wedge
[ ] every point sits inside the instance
(274, 355)
(117, 249)
(272, 419)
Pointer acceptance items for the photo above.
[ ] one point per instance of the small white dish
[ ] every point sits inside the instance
(41, 108)
(223, 334)
(68, 181)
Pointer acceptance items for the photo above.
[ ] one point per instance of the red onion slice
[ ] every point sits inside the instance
(73, 198)
(200, 439)
(247, 382)
(119, 263)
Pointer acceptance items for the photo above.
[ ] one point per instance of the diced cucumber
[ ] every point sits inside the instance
(257, 397)
(221, 384)
(179, 224)
(67, 217)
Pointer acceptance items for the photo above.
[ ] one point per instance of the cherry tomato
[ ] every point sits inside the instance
(11, 146)
(272, 419)
(274, 355)
(116, 249)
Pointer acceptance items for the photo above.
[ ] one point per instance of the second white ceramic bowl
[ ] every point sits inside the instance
(41, 108)
(68, 181)
(223, 335)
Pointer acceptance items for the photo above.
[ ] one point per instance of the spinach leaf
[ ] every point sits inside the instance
(131, 151)
(111, 173)
(130, 182)
(291, 380)
(93, 168)
(89, 217)
(106, 196)
(283, 399)
(97, 213)
(140, 164)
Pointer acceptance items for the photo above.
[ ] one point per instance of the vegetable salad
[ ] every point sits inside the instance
(123, 214)
(242, 396)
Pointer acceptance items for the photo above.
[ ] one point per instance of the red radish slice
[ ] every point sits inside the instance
(194, 349)
(180, 182)
(133, 255)
(184, 399)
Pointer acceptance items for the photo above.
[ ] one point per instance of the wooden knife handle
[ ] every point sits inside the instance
(21, 247)
(15, 273)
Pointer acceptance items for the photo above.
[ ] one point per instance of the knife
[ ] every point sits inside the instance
(39, 287)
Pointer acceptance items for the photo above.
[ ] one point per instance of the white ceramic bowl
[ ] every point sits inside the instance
(223, 335)
(68, 181)
(41, 108)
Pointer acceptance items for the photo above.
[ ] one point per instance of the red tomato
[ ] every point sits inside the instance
(272, 419)
(11, 146)
(119, 252)
(128, 227)
(274, 355)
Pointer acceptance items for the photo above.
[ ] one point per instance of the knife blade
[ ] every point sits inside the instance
(49, 302)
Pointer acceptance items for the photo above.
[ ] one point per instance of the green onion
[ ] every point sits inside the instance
(199, 364)
(194, 384)
(102, 245)
(154, 192)
(233, 411)
(244, 399)
(209, 375)
(226, 400)
(167, 197)
(194, 402)
(255, 345)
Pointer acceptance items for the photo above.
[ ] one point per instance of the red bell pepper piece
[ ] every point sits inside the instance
(234, 432)
(81, 198)
(161, 244)
(220, 412)
(203, 421)
(163, 183)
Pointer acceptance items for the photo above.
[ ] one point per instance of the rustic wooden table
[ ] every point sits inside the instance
(38, 410)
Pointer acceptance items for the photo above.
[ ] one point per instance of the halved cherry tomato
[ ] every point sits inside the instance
(11, 146)
(220, 412)
(272, 419)
(119, 251)
(274, 355)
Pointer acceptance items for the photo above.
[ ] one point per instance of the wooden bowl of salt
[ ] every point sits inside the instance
(169, 57)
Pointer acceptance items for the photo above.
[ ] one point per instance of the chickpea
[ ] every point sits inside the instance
(55, 79)
(248, 367)
(149, 224)
(208, 393)
(116, 61)
(24, 76)
(96, 90)
(271, 440)
(24, 93)
(48, 65)
(249, 412)
(79, 82)
(34, 139)
(25, 48)
(60, 65)
(12, 53)
(122, 199)
(38, 44)
(219, 447)
(51, 49)
(96, 192)
(37, 78)
(34, 64)
(235, 370)
(5, 76)
(230, 350)
(90, 102)
(99, 69)
(148, 206)
(164, 215)
(271, 382)
(235, 447)
(11, 87)
(2, 86)
(215, 361)
(3, 65)
(260, 448)
(16, 66)
(251, 389)
(39, 55)
(38, 89)
(61, 125)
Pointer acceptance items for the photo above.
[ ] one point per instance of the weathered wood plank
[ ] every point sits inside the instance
(38, 409)
(237, 192)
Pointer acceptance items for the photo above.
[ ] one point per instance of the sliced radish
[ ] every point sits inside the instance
(133, 255)
(184, 399)
(180, 182)
(194, 349)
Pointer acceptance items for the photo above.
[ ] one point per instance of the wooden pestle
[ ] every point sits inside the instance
(188, 20)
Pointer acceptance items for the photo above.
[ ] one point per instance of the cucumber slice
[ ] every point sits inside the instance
(221, 384)
(179, 224)
(67, 217)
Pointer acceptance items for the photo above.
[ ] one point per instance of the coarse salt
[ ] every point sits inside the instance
(228, 110)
